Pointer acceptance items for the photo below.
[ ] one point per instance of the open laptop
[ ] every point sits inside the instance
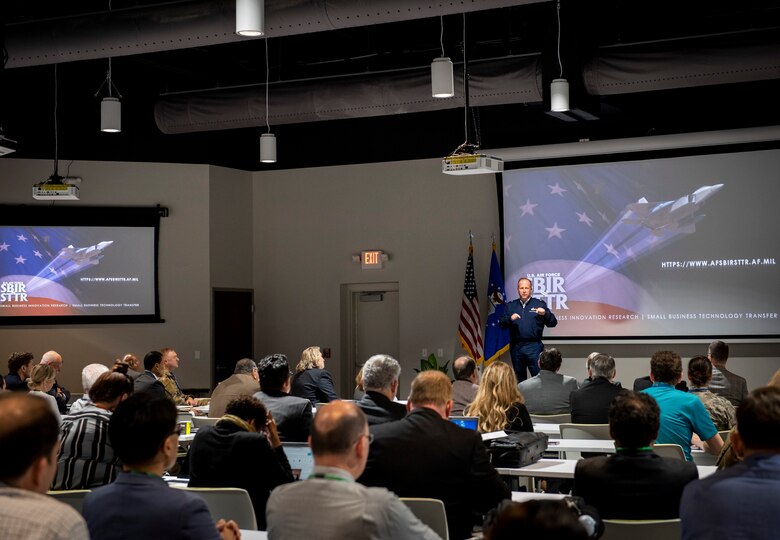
(468, 422)
(300, 457)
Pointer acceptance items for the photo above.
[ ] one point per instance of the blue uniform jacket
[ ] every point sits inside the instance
(529, 327)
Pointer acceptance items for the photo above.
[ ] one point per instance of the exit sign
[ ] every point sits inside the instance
(371, 259)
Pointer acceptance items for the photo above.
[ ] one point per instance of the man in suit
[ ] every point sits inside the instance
(149, 381)
(741, 501)
(380, 381)
(330, 504)
(29, 440)
(590, 404)
(245, 381)
(465, 387)
(139, 504)
(60, 394)
(426, 455)
(633, 483)
(725, 383)
(526, 318)
(292, 414)
(548, 391)
(20, 365)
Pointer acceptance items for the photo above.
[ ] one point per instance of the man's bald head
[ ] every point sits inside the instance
(336, 428)
(28, 432)
(53, 359)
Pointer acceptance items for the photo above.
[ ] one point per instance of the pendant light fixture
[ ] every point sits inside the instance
(250, 18)
(110, 107)
(442, 78)
(267, 140)
(559, 88)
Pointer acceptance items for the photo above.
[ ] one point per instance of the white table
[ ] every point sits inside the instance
(523, 496)
(553, 430)
(246, 534)
(581, 445)
(564, 468)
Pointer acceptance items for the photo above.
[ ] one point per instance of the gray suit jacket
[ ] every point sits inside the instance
(728, 385)
(292, 414)
(463, 393)
(548, 392)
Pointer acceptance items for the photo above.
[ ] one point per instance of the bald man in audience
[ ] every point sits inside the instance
(465, 387)
(59, 393)
(426, 455)
(29, 437)
(741, 501)
(330, 504)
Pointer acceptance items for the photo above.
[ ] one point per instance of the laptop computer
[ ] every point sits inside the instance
(468, 422)
(301, 459)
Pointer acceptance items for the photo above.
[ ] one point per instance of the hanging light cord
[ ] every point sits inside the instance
(441, 36)
(466, 147)
(560, 64)
(267, 76)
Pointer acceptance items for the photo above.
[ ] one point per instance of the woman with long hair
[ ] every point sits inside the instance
(499, 404)
(41, 380)
(311, 380)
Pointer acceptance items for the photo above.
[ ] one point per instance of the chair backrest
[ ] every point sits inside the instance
(585, 431)
(674, 451)
(71, 497)
(431, 512)
(724, 435)
(202, 421)
(661, 529)
(551, 418)
(229, 503)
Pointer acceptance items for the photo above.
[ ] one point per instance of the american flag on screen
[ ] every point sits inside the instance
(470, 324)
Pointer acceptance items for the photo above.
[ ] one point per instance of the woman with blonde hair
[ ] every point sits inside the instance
(499, 404)
(311, 381)
(41, 380)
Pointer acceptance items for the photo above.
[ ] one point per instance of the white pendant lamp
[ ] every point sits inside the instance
(267, 148)
(559, 95)
(442, 78)
(110, 115)
(250, 18)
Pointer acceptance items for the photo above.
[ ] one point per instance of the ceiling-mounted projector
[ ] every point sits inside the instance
(57, 188)
(471, 164)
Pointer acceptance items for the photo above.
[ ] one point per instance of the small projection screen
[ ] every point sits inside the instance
(650, 246)
(64, 265)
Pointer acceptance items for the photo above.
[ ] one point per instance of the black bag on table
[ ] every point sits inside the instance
(517, 449)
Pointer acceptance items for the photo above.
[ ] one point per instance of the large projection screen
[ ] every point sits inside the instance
(78, 265)
(682, 246)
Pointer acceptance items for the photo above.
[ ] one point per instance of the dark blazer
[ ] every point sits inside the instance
(633, 485)
(644, 382)
(62, 397)
(379, 409)
(590, 404)
(314, 384)
(140, 506)
(16, 383)
(226, 456)
(424, 455)
(292, 414)
(146, 382)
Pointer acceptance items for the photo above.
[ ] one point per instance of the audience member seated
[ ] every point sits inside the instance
(149, 380)
(499, 404)
(426, 455)
(741, 501)
(465, 387)
(28, 446)
(292, 414)
(89, 375)
(311, 380)
(548, 392)
(633, 483)
(725, 383)
(40, 382)
(59, 393)
(20, 365)
(244, 382)
(86, 458)
(380, 381)
(590, 404)
(722, 412)
(242, 450)
(329, 505)
(134, 365)
(682, 414)
(359, 390)
(535, 519)
(588, 360)
(139, 504)
(168, 379)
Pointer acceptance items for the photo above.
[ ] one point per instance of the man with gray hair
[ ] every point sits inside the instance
(380, 381)
(245, 381)
(590, 404)
(59, 393)
(89, 375)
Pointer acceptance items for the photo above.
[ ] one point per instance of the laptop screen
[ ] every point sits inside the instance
(468, 422)
(301, 459)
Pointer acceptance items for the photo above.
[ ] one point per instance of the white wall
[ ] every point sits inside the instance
(183, 263)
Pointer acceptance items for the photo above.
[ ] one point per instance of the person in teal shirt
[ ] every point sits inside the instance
(682, 414)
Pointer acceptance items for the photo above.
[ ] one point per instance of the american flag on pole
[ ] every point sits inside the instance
(470, 325)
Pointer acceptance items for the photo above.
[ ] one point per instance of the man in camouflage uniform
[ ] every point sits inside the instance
(172, 388)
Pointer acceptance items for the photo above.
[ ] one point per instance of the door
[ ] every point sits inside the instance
(233, 325)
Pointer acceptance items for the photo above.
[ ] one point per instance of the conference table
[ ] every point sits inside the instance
(564, 468)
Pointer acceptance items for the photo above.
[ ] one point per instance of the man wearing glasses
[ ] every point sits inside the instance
(330, 504)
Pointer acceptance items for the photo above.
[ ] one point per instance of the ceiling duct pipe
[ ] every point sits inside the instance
(182, 25)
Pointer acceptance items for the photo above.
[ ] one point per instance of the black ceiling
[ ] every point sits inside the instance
(27, 93)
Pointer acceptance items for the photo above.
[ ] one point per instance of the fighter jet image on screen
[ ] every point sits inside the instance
(679, 215)
(71, 260)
